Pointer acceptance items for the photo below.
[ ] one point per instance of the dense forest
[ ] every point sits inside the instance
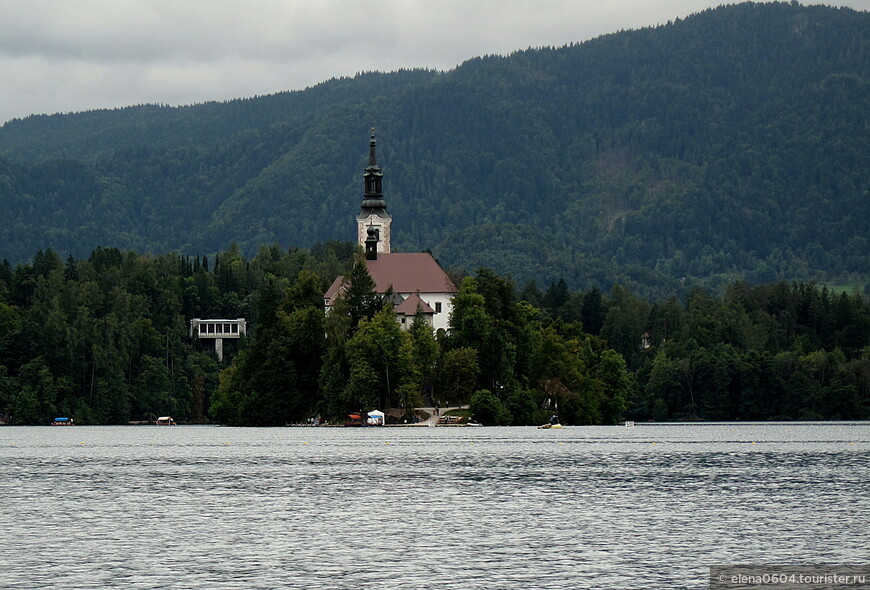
(105, 340)
(731, 145)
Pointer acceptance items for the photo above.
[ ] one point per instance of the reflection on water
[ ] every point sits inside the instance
(585, 507)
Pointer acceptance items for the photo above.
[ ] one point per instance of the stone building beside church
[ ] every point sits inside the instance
(416, 279)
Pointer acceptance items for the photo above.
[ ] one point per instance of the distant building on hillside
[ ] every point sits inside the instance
(416, 279)
(217, 330)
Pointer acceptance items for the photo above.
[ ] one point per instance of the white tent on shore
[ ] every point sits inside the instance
(376, 418)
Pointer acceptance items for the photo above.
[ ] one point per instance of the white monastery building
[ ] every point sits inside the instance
(416, 279)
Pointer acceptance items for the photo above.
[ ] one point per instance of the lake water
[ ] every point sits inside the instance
(650, 507)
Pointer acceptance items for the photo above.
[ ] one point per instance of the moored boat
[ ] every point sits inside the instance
(553, 423)
(165, 421)
(354, 420)
(62, 422)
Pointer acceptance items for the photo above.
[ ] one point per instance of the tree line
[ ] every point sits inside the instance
(776, 351)
(105, 339)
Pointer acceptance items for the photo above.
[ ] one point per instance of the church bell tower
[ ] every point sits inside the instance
(373, 211)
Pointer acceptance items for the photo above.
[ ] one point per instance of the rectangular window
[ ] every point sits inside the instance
(226, 328)
(437, 307)
(211, 328)
(202, 329)
(235, 328)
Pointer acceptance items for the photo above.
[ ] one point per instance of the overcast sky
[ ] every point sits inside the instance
(63, 55)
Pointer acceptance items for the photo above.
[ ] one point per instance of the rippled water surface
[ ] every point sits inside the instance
(584, 507)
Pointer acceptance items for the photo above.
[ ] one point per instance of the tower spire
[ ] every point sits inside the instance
(373, 159)
(374, 198)
(373, 209)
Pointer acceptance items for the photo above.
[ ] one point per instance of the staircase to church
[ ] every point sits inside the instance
(428, 400)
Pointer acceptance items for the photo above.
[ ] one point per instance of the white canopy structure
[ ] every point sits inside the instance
(376, 418)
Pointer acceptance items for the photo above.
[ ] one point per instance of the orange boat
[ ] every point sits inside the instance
(354, 420)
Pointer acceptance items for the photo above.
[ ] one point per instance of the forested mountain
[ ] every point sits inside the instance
(731, 144)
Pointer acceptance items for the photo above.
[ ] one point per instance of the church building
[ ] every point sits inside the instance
(416, 279)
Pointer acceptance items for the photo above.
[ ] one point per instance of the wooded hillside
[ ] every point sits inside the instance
(105, 340)
(729, 145)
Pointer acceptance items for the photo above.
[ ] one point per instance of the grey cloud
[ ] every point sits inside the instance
(58, 56)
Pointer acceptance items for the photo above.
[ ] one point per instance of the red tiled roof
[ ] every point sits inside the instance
(409, 306)
(333, 289)
(409, 273)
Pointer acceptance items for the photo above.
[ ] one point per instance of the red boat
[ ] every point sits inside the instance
(354, 420)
